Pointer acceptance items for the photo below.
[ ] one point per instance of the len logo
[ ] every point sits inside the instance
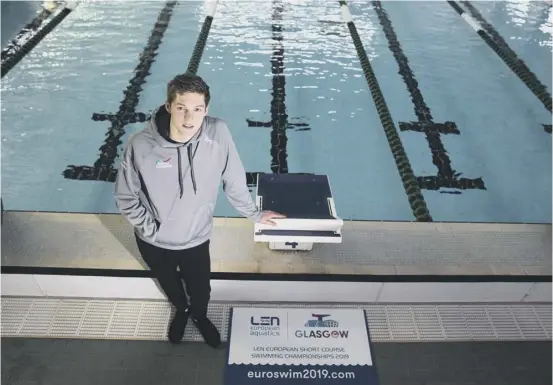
(164, 163)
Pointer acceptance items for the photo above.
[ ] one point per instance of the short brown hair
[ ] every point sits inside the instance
(185, 83)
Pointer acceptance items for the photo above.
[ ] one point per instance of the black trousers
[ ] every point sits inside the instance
(195, 269)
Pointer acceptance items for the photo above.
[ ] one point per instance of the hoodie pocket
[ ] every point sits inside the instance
(189, 227)
(203, 221)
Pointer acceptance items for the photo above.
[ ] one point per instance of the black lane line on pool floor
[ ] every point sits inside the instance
(447, 177)
(193, 64)
(494, 40)
(279, 117)
(103, 169)
(11, 58)
(408, 179)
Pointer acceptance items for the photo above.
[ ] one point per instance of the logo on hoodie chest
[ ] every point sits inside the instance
(164, 163)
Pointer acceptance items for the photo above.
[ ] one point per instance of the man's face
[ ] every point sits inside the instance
(187, 113)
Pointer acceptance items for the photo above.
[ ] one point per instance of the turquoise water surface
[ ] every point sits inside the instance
(254, 47)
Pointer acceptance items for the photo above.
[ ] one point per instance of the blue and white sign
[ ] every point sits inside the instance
(299, 346)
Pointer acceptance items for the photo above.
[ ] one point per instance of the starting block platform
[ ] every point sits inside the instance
(306, 201)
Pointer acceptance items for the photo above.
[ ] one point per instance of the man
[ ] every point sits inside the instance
(167, 187)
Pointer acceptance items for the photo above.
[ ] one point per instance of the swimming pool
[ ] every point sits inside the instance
(293, 64)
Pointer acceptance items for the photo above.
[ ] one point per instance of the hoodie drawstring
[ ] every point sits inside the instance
(191, 162)
(180, 172)
(190, 157)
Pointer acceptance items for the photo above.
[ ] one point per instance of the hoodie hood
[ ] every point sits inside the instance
(159, 126)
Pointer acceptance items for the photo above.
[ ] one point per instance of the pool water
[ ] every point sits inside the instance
(302, 52)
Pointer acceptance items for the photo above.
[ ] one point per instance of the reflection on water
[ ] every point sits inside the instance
(314, 32)
(547, 28)
(288, 65)
(531, 16)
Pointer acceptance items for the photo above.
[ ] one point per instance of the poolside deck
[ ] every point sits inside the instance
(106, 241)
(77, 342)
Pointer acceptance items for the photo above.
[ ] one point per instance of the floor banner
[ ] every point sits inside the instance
(299, 346)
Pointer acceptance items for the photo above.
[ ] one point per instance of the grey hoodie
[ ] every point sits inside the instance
(168, 190)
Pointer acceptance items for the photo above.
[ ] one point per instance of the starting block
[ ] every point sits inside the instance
(307, 202)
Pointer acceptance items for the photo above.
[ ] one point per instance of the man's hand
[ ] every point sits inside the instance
(268, 215)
